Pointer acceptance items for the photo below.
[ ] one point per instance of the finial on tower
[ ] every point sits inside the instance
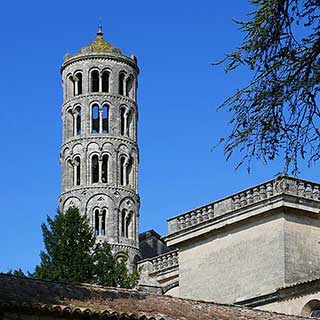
(100, 32)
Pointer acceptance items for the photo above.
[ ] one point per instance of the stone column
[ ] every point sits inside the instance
(126, 127)
(100, 222)
(74, 123)
(100, 82)
(100, 169)
(74, 174)
(125, 178)
(100, 120)
(75, 83)
(124, 87)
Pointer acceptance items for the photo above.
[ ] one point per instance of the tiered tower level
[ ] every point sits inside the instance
(99, 153)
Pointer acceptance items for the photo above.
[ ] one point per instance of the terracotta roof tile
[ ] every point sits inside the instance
(95, 302)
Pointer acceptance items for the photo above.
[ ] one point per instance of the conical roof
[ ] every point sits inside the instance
(99, 45)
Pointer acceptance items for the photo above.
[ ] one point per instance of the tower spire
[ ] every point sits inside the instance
(100, 32)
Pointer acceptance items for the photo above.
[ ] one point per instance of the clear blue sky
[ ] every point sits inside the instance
(175, 41)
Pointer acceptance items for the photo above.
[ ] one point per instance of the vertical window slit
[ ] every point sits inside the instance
(94, 81)
(105, 119)
(123, 221)
(78, 83)
(122, 177)
(105, 81)
(121, 83)
(105, 160)
(122, 120)
(95, 119)
(96, 222)
(95, 169)
(103, 224)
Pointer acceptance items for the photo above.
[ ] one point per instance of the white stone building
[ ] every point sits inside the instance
(258, 248)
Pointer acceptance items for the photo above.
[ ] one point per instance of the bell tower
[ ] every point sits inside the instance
(99, 154)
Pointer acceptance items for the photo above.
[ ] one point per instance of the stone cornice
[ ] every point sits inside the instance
(98, 137)
(100, 56)
(104, 95)
(98, 189)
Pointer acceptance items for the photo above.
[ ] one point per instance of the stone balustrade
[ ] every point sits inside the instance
(165, 261)
(290, 186)
(286, 185)
(195, 216)
(255, 194)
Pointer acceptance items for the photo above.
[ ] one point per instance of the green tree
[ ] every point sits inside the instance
(277, 113)
(16, 272)
(73, 255)
(68, 241)
(109, 271)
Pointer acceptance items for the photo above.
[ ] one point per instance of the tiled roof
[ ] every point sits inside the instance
(25, 295)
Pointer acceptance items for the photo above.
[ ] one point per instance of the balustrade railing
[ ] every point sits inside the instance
(165, 261)
(196, 216)
(290, 186)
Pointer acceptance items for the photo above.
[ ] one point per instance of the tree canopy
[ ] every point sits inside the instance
(16, 272)
(72, 254)
(277, 113)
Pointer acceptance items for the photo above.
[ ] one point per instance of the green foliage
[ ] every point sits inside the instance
(277, 113)
(72, 255)
(16, 272)
(109, 271)
(68, 240)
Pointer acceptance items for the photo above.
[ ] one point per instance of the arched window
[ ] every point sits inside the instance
(105, 119)
(96, 222)
(105, 160)
(78, 83)
(129, 86)
(128, 225)
(77, 117)
(94, 169)
(94, 81)
(122, 171)
(121, 83)
(103, 222)
(95, 119)
(123, 222)
(105, 81)
(77, 171)
(122, 120)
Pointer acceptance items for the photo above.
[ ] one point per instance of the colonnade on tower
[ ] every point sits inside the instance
(99, 154)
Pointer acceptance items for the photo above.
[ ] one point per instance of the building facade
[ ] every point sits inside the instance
(259, 248)
(99, 154)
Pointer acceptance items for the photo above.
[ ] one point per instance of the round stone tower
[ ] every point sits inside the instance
(99, 153)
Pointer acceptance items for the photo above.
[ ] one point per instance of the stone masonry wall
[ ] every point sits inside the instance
(235, 263)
